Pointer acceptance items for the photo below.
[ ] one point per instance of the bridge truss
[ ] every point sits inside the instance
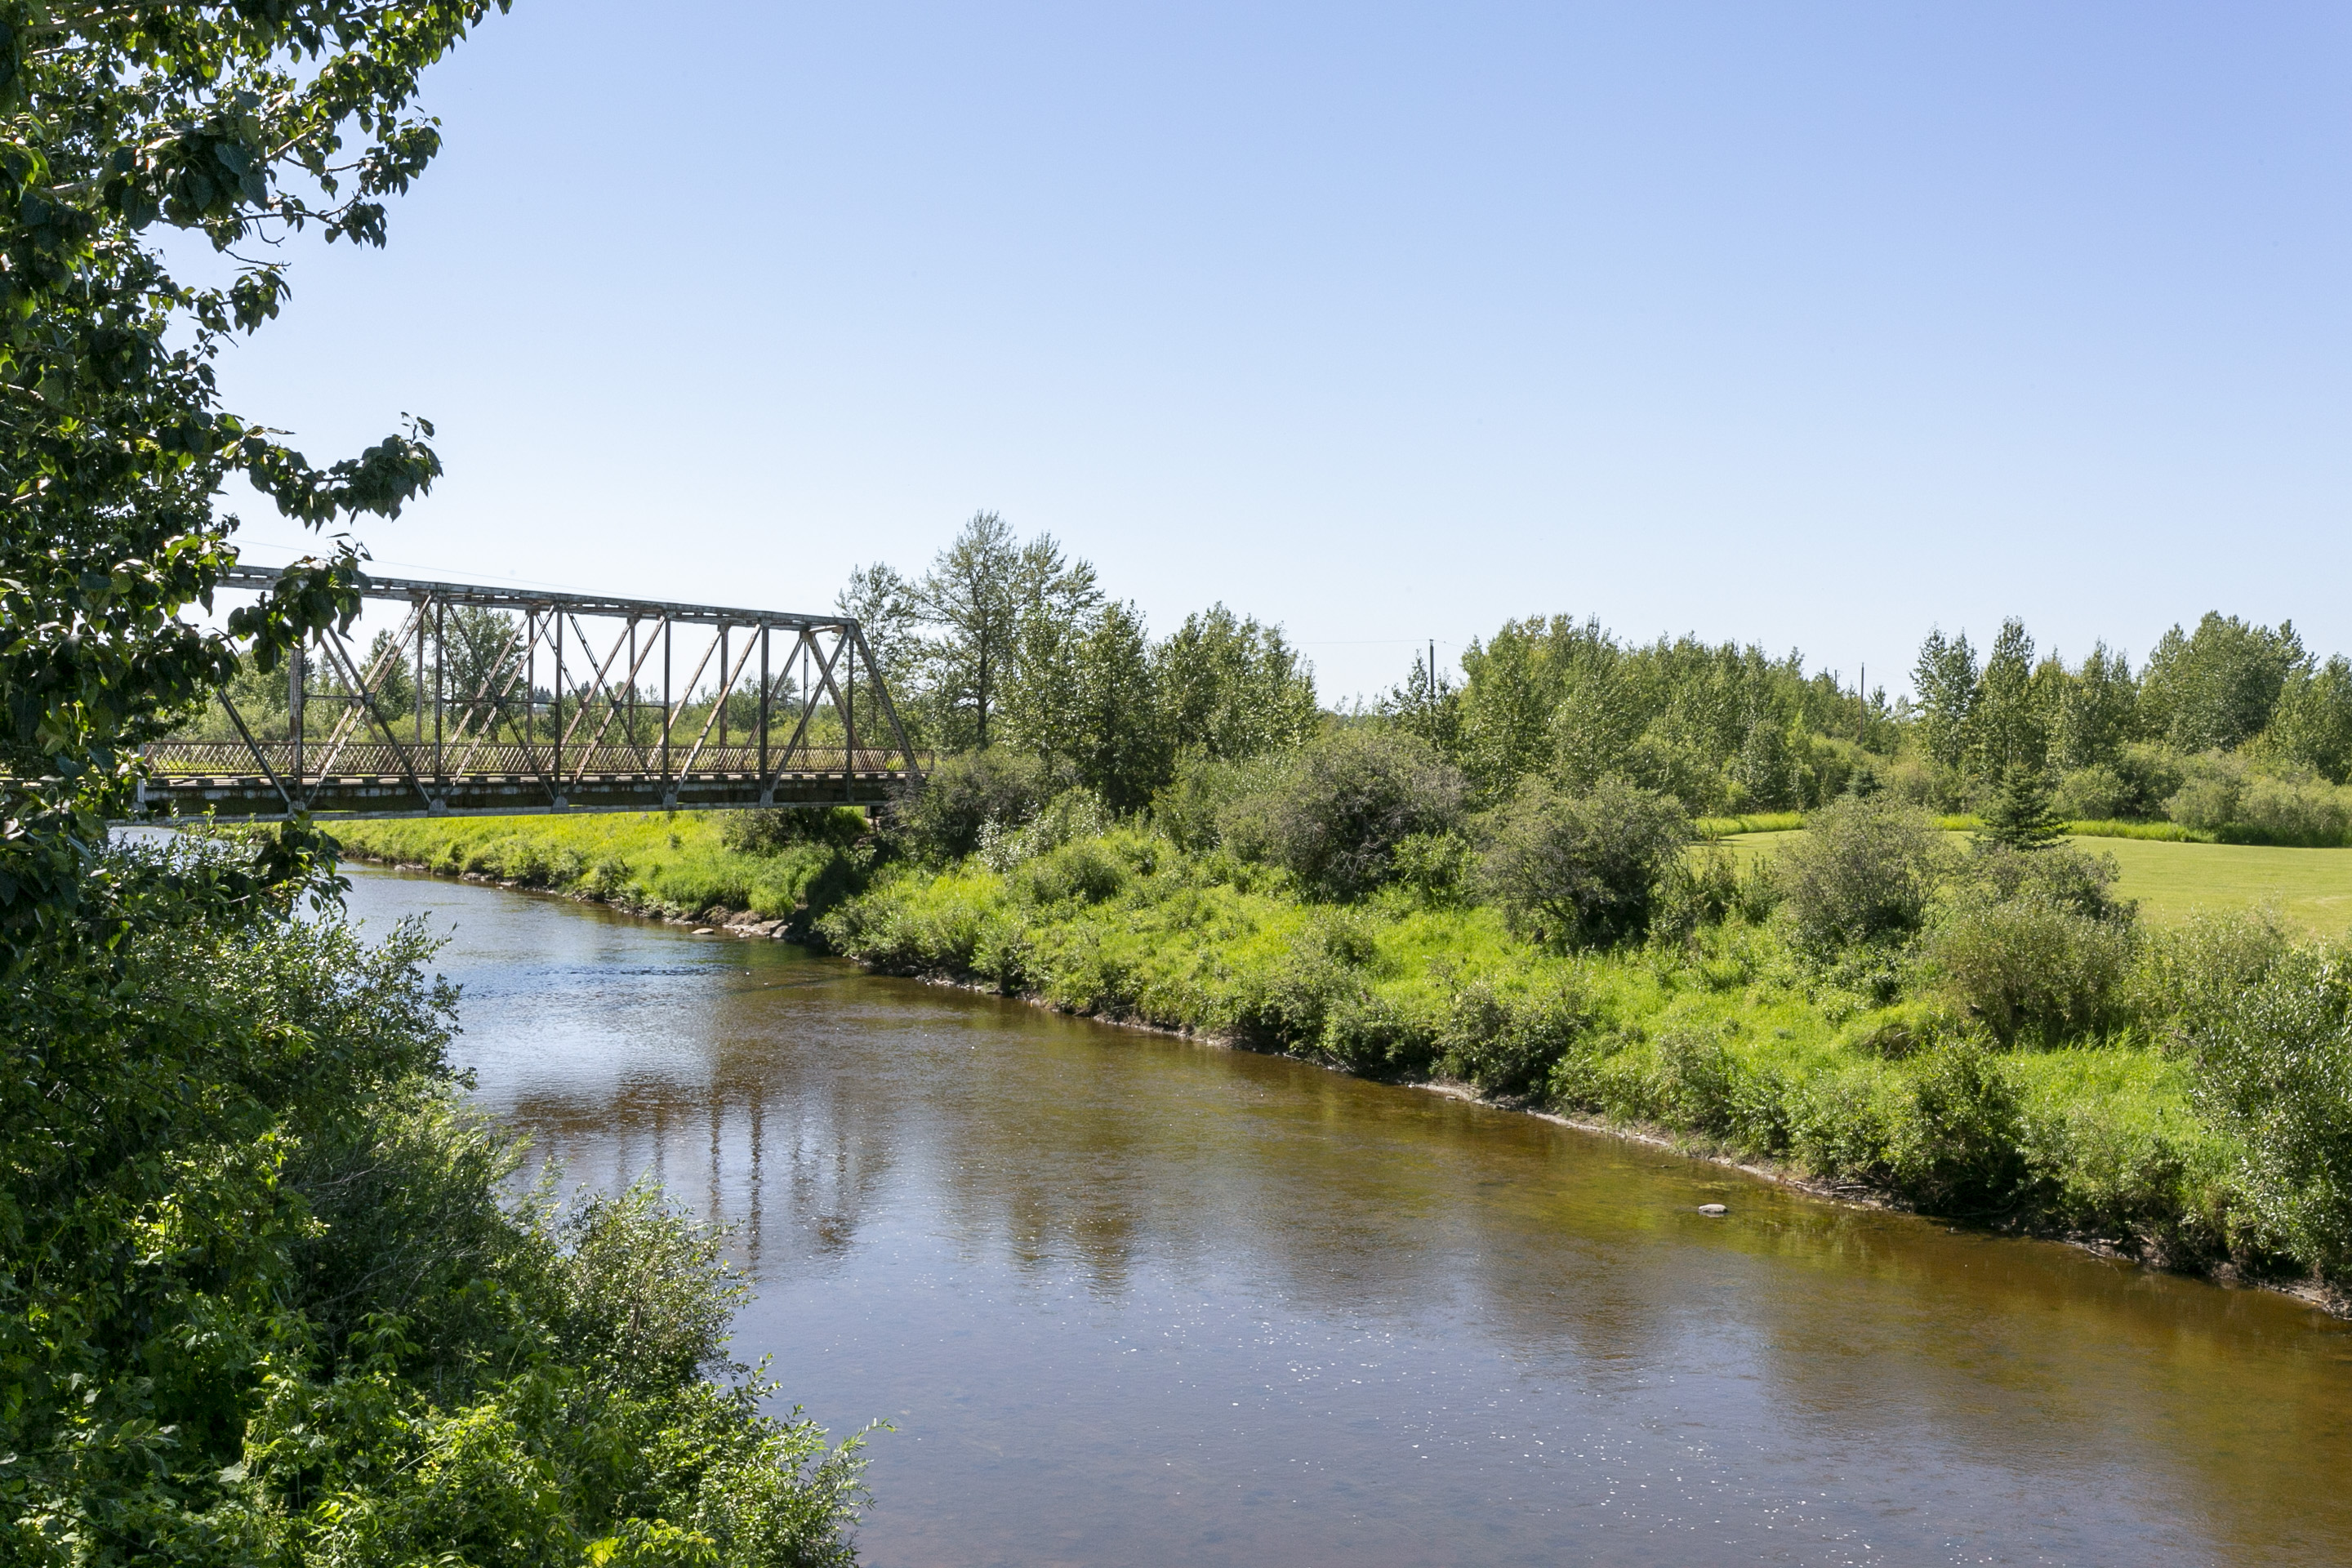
(498, 701)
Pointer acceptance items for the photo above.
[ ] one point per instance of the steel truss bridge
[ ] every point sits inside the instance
(549, 702)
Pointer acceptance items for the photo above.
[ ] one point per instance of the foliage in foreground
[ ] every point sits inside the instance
(263, 1303)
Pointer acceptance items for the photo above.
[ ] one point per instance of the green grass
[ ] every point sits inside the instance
(659, 862)
(2310, 890)
(1732, 827)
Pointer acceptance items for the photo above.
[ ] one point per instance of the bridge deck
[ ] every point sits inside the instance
(193, 779)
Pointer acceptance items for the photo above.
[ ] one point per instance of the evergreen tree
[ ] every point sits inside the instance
(2019, 817)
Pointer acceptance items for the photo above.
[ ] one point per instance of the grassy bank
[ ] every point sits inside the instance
(674, 864)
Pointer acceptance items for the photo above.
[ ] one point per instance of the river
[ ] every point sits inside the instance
(1128, 1299)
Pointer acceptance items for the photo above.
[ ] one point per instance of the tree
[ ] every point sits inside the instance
(2313, 722)
(1944, 682)
(2019, 817)
(2095, 710)
(235, 124)
(2215, 688)
(984, 595)
(1428, 706)
(1120, 744)
(1233, 688)
(2008, 721)
(971, 600)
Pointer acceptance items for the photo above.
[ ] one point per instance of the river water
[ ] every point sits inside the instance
(1128, 1299)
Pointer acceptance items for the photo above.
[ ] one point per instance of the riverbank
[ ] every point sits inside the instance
(1723, 1046)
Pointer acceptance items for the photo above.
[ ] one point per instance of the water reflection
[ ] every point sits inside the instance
(1132, 1300)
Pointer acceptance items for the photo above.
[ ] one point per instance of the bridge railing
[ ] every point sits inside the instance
(220, 759)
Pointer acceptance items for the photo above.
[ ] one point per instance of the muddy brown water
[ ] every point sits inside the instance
(1128, 1299)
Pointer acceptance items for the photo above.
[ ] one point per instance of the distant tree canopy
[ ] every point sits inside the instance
(1716, 726)
(1007, 642)
(2227, 687)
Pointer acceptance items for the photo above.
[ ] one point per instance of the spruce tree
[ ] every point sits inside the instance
(2019, 817)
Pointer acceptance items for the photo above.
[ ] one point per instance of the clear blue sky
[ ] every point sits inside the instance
(1804, 324)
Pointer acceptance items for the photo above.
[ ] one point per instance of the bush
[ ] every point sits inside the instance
(1510, 1044)
(1438, 869)
(2298, 810)
(2151, 774)
(778, 829)
(1073, 815)
(1703, 1084)
(2191, 976)
(2030, 967)
(2095, 794)
(941, 816)
(1709, 886)
(1088, 871)
(1863, 872)
(259, 1251)
(2210, 788)
(2276, 1071)
(1335, 816)
(1957, 1143)
(1583, 871)
(2059, 873)
(1188, 808)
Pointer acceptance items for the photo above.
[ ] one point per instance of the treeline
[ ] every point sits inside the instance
(2233, 729)
(2230, 730)
(1006, 642)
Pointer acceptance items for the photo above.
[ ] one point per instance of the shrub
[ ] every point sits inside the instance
(1321, 980)
(1335, 816)
(2298, 810)
(1189, 807)
(2276, 1071)
(1073, 815)
(776, 830)
(1438, 869)
(2191, 976)
(1709, 887)
(2151, 773)
(1956, 1146)
(1863, 872)
(2210, 788)
(1088, 871)
(1510, 1044)
(941, 816)
(1583, 871)
(2060, 873)
(1703, 1084)
(2030, 967)
(2095, 794)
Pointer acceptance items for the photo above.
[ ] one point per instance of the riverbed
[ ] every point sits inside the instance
(1130, 1299)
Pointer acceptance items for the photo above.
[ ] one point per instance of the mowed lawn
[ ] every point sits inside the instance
(2312, 888)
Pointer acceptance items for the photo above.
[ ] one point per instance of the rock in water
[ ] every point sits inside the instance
(1713, 1208)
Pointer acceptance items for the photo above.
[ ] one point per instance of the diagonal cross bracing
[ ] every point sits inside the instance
(455, 713)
